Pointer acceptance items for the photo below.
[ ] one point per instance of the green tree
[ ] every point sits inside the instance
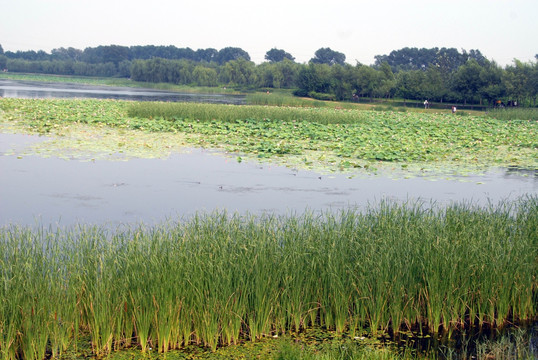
(492, 87)
(206, 55)
(533, 82)
(387, 87)
(448, 59)
(368, 81)
(313, 77)
(434, 86)
(289, 70)
(341, 85)
(409, 84)
(66, 54)
(231, 53)
(3, 59)
(328, 56)
(238, 72)
(277, 55)
(467, 82)
(204, 76)
(269, 75)
(519, 80)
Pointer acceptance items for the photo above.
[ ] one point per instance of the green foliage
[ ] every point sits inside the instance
(467, 80)
(514, 114)
(440, 75)
(278, 75)
(277, 55)
(219, 279)
(283, 99)
(328, 56)
(314, 77)
(448, 59)
(231, 53)
(238, 72)
(203, 76)
(324, 137)
(321, 96)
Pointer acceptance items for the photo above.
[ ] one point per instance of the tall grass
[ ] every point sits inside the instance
(283, 99)
(229, 113)
(514, 114)
(217, 278)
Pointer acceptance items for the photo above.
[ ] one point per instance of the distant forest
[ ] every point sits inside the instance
(436, 74)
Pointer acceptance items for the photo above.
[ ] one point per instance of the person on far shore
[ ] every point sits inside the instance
(426, 104)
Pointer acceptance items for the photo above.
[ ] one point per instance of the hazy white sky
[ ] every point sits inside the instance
(501, 29)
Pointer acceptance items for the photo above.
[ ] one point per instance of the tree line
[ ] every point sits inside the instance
(436, 74)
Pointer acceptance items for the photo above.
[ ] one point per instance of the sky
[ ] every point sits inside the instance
(502, 30)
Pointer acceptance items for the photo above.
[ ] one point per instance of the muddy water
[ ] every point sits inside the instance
(56, 191)
(36, 89)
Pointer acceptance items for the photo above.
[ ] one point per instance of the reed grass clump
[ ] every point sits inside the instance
(284, 99)
(230, 113)
(514, 114)
(217, 279)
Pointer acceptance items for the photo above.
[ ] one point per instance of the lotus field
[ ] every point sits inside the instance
(321, 138)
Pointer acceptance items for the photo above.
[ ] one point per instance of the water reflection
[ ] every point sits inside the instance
(40, 90)
(519, 171)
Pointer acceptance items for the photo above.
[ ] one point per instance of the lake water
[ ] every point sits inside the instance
(40, 90)
(56, 191)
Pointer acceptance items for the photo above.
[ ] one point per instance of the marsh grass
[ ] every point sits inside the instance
(231, 113)
(217, 279)
(514, 114)
(284, 99)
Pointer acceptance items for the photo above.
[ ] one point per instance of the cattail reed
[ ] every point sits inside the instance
(218, 278)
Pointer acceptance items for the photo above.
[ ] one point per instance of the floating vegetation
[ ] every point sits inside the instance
(320, 138)
(219, 279)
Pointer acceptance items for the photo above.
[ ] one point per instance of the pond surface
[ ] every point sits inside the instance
(51, 191)
(43, 90)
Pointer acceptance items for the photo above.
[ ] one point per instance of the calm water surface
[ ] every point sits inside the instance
(55, 191)
(44, 90)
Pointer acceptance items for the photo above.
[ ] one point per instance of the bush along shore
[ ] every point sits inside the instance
(217, 279)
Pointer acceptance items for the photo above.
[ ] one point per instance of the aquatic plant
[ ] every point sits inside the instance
(325, 138)
(219, 278)
(514, 114)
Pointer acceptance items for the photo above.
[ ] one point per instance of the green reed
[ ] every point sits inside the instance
(514, 114)
(216, 279)
(231, 113)
(284, 99)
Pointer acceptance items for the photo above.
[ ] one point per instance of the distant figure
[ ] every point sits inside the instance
(426, 104)
(453, 109)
